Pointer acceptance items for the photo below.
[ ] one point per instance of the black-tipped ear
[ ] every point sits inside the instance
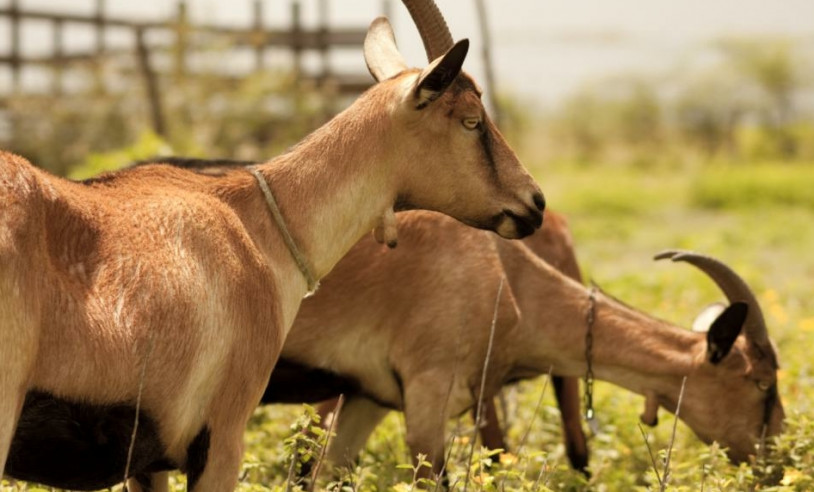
(725, 330)
(438, 76)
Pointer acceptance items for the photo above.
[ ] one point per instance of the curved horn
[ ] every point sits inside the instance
(431, 26)
(733, 286)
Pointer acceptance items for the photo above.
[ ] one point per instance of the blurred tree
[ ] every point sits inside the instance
(636, 113)
(579, 124)
(621, 114)
(253, 118)
(771, 65)
(709, 108)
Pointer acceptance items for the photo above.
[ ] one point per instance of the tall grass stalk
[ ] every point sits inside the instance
(142, 377)
(666, 473)
(338, 408)
(479, 406)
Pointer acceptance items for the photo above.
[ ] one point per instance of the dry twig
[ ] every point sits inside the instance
(483, 384)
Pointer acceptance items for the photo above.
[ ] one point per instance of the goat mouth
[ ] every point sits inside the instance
(512, 225)
(526, 225)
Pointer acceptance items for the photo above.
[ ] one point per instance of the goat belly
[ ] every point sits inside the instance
(293, 382)
(78, 446)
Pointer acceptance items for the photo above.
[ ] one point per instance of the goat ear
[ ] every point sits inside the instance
(381, 54)
(438, 76)
(705, 318)
(725, 330)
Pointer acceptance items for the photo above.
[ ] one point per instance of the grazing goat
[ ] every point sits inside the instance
(167, 294)
(408, 329)
(554, 244)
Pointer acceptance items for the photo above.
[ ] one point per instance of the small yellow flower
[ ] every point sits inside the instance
(507, 459)
(791, 476)
(807, 324)
(778, 312)
(770, 295)
(483, 479)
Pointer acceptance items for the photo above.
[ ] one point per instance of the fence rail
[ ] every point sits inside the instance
(178, 39)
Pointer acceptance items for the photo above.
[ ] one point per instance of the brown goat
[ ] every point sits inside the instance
(408, 329)
(554, 244)
(171, 292)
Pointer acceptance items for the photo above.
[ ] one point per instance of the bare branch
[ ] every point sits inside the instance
(337, 409)
(673, 437)
(142, 377)
(483, 382)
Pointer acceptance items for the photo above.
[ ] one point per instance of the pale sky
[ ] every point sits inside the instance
(542, 48)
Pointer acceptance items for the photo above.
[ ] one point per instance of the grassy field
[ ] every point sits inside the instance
(758, 218)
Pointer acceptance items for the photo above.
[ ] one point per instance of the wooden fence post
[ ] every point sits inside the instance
(100, 27)
(56, 81)
(181, 40)
(488, 68)
(151, 84)
(14, 32)
(323, 40)
(259, 37)
(387, 9)
(296, 37)
(99, 34)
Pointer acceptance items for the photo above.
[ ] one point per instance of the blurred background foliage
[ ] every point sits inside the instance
(754, 102)
(205, 116)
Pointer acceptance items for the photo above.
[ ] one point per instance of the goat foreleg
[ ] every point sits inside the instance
(357, 419)
(425, 415)
(18, 348)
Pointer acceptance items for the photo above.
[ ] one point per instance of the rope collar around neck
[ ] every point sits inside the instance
(299, 258)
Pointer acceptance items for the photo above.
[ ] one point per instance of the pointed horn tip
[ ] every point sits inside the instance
(668, 254)
(676, 255)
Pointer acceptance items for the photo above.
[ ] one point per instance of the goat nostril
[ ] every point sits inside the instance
(539, 201)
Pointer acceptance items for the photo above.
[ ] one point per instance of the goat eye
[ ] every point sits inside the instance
(764, 385)
(471, 123)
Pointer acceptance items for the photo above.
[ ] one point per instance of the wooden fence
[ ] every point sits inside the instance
(177, 38)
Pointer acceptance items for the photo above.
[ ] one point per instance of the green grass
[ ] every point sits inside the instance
(759, 218)
(756, 186)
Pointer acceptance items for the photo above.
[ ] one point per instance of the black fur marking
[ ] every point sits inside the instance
(725, 330)
(202, 166)
(197, 454)
(487, 144)
(79, 446)
(293, 382)
(399, 382)
(102, 179)
(208, 167)
(145, 481)
(442, 76)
